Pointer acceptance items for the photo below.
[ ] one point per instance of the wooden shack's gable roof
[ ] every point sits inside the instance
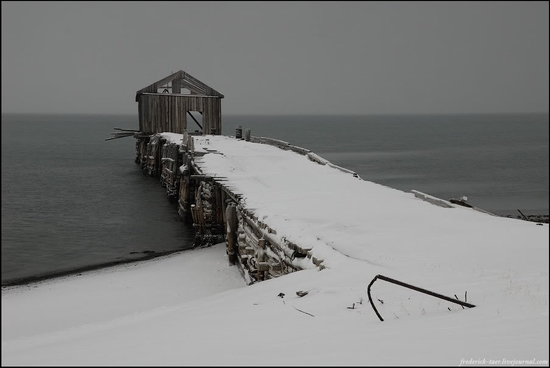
(186, 81)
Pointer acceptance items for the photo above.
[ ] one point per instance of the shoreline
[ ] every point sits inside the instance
(25, 280)
(531, 218)
(148, 255)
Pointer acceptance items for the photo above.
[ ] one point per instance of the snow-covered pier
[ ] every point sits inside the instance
(202, 174)
(281, 208)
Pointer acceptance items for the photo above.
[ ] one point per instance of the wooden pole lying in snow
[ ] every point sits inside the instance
(416, 288)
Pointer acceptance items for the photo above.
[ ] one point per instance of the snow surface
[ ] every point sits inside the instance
(192, 308)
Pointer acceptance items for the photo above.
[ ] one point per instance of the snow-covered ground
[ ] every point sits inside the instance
(192, 308)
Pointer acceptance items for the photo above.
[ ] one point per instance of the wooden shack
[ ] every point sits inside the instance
(166, 106)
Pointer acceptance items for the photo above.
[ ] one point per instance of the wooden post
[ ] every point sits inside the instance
(247, 135)
(524, 217)
(186, 197)
(231, 216)
(261, 258)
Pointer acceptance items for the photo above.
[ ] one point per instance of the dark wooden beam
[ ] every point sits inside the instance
(192, 117)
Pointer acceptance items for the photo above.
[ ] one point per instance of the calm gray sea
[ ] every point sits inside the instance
(72, 200)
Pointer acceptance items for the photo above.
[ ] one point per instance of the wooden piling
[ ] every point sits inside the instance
(231, 236)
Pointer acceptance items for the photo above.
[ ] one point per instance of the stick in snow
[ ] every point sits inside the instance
(299, 310)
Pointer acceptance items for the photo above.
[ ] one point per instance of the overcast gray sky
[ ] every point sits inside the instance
(279, 57)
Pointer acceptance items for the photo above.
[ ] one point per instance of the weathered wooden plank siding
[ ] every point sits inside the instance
(167, 112)
(206, 117)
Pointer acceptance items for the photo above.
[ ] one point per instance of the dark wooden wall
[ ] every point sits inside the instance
(164, 112)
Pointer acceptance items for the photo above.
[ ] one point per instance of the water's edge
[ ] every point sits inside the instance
(78, 270)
